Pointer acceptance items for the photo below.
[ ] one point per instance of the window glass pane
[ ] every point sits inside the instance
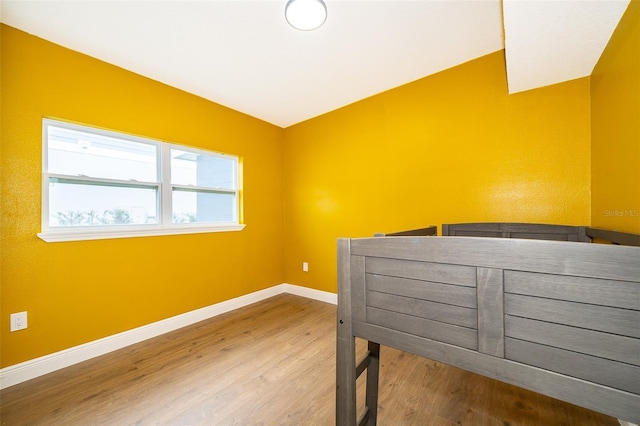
(210, 171)
(72, 152)
(194, 206)
(102, 179)
(80, 204)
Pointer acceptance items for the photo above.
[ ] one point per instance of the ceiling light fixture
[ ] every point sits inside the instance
(305, 15)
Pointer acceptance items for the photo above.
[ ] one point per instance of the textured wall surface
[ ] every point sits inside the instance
(77, 292)
(615, 128)
(451, 147)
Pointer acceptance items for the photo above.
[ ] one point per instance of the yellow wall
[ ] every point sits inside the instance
(615, 128)
(77, 292)
(451, 147)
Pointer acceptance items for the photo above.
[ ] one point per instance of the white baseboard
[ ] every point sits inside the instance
(310, 293)
(31, 369)
(623, 423)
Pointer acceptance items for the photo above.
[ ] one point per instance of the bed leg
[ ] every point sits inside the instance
(345, 344)
(346, 383)
(373, 372)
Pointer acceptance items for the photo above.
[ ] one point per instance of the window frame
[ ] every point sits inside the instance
(163, 185)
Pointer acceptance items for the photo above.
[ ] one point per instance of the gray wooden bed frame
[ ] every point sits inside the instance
(556, 317)
(535, 231)
(421, 232)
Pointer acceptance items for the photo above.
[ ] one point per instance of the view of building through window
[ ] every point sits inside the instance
(96, 179)
(202, 171)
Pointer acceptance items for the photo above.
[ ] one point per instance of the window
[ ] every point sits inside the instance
(101, 184)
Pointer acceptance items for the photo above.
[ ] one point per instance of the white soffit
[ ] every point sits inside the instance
(551, 41)
(243, 54)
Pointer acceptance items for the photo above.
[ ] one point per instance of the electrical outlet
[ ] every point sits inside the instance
(19, 321)
(305, 267)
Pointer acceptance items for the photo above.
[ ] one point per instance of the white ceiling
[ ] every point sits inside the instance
(551, 41)
(242, 54)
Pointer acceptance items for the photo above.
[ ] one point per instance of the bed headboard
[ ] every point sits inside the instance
(614, 237)
(534, 231)
(558, 318)
(420, 232)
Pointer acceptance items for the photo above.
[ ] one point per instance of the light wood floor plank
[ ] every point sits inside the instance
(271, 363)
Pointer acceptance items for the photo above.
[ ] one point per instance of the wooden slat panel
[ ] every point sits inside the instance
(554, 257)
(604, 399)
(426, 290)
(449, 314)
(436, 272)
(470, 233)
(541, 236)
(606, 372)
(447, 333)
(429, 231)
(490, 312)
(625, 322)
(621, 294)
(595, 343)
(511, 229)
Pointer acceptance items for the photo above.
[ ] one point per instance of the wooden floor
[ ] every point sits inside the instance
(269, 363)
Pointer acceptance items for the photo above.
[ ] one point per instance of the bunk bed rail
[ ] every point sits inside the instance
(558, 318)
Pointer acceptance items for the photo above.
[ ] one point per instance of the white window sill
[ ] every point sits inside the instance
(104, 234)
